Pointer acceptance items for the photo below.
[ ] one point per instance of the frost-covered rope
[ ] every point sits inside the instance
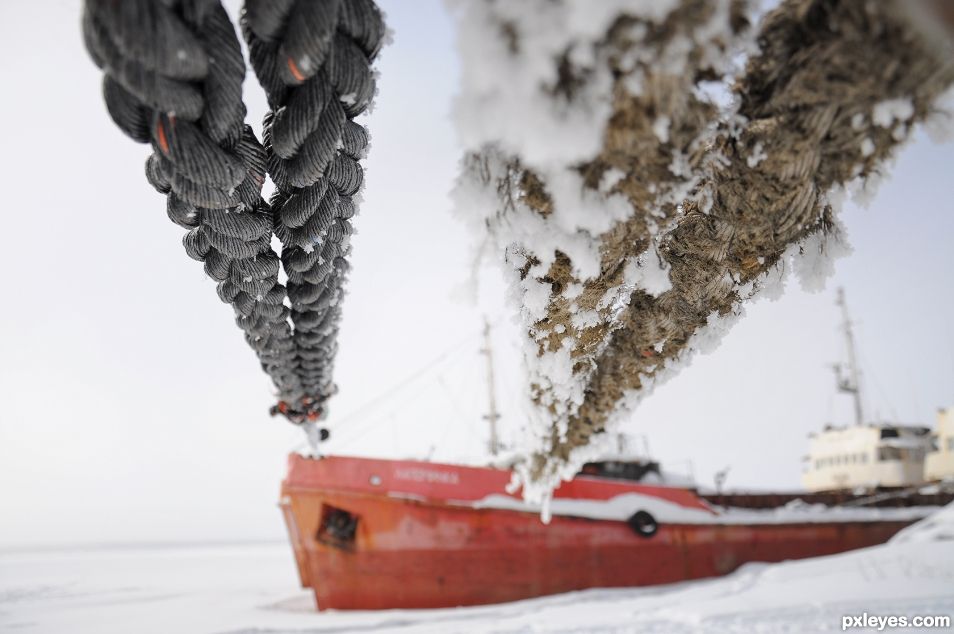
(314, 61)
(835, 89)
(173, 78)
(578, 225)
(635, 226)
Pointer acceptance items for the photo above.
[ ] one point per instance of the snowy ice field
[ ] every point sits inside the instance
(251, 589)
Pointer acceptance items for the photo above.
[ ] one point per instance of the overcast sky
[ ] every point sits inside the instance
(131, 409)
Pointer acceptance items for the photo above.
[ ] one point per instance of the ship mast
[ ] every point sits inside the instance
(850, 384)
(492, 416)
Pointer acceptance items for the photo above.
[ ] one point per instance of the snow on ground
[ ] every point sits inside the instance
(251, 589)
(939, 527)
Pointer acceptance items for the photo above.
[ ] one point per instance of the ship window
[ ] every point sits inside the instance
(889, 432)
(888, 453)
(950, 443)
(911, 454)
(864, 458)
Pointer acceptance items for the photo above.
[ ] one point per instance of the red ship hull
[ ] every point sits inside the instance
(376, 534)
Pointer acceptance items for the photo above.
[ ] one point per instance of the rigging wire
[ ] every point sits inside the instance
(398, 386)
(394, 390)
(870, 372)
(355, 432)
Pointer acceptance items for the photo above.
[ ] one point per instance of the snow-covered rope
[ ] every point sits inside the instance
(173, 78)
(834, 90)
(651, 158)
(578, 215)
(314, 61)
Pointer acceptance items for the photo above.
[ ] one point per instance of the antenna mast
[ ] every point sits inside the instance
(492, 416)
(850, 384)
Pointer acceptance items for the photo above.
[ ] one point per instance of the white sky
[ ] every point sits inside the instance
(131, 409)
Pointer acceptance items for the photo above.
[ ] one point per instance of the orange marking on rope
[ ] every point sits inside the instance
(294, 70)
(161, 134)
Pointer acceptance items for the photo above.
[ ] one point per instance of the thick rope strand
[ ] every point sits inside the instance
(173, 78)
(314, 61)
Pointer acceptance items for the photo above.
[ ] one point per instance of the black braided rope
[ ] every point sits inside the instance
(313, 57)
(173, 78)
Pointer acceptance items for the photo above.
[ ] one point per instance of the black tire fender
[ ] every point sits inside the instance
(643, 524)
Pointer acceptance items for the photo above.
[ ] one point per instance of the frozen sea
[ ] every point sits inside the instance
(252, 589)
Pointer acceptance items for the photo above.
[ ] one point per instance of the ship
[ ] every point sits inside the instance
(867, 453)
(370, 533)
(381, 534)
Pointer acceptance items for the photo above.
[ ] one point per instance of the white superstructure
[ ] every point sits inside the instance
(866, 456)
(863, 455)
(939, 464)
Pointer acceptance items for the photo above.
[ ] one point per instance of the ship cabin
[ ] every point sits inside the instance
(625, 462)
(871, 456)
(635, 469)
